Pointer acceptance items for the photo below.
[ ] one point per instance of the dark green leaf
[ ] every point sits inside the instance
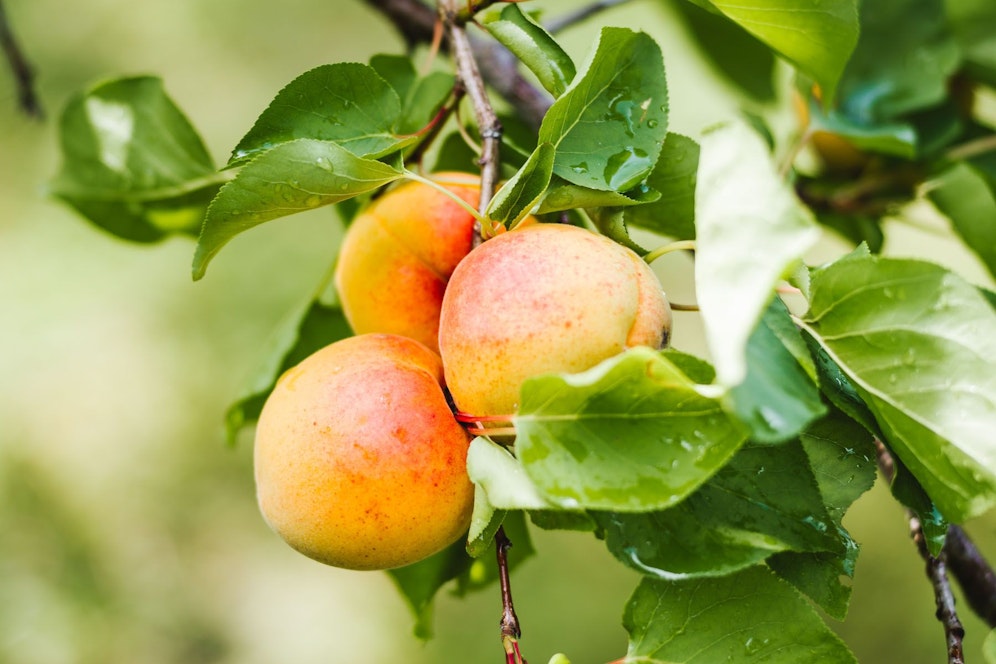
(749, 617)
(455, 155)
(347, 102)
(968, 199)
(674, 177)
(397, 70)
(420, 582)
(423, 102)
(763, 501)
(611, 222)
(562, 520)
(631, 434)
(609, 125)
(292, 177)
(751, 231)
(778, 398)
(857, 228)
(517, 197)
(842, 457)
(733, 52)
(132, 163)
(308, 330)
(902, 62)
(910, 492)
(919, 346)
(817, 37)
(532, 45)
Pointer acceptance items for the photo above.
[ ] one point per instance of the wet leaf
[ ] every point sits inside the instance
(631, 434)
(532, 45)
(292, 177)
(517, 197)
(918, 344)
(609, 125)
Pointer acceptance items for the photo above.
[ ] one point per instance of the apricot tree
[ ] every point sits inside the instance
(723, 479)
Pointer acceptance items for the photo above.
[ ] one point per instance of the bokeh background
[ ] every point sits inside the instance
(128, 529)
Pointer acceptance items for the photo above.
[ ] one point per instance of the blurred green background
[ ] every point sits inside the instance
(128, 530)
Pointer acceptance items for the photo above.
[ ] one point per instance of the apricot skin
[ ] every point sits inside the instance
(399, 253)
(541, 299)
(359, 462)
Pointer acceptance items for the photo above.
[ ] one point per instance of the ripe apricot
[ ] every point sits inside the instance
(540, 299)
(399, 253)
(359, 462)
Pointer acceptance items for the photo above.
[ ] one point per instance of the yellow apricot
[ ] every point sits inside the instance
(541, 299)
(399, 253)
(359, 462)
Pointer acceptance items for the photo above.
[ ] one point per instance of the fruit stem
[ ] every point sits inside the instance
(412, 175)
(681, 245)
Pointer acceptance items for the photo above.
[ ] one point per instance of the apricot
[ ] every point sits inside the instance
(399, 253)
(359, 462)
(541, 299)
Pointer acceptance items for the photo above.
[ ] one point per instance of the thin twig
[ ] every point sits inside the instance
(510, 630)
(561, 23)
(24, 75)
(973, 148)
(415, 21)
(469, 77)
(935, 567)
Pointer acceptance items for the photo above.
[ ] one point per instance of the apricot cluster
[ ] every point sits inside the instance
(360, 460)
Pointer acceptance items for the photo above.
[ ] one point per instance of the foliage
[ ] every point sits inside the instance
(719, 479)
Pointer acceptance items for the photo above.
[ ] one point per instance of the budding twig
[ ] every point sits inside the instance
(24, 75)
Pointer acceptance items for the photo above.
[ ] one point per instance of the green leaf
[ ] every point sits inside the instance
(842, 457)
(562, 195)
(972, 21)
(751, 231)
(674, 176)
(764, 500)
(902, 62)
(856, 228)
(749, 617)
(817, 37)
(505, 483)
(347, 102)
(968, 199)
(919, 345)
(898, 138)
(132, 163)
(485, 521)
(423, 102)
(483, 571)
(778, 397)
(609, 125)
(631, 434)
(397, 70)
(517, 197)
(733, 52)
(311, 328)
(531, 44)
(419, 583)
(292, 177)
(911, 493)
(989, 647)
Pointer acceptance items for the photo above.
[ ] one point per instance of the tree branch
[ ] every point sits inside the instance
(935, 568)
(510, 630)
(415, 21)
(24, 76)
(975, 576)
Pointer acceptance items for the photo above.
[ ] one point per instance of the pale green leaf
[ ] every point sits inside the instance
(751, 232)
(517, 197)
(132, 162)
(919, 345)
(505, 483)
(816, 36)
(631, 434)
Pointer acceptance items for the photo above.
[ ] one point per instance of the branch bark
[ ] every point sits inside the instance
(24, 75)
